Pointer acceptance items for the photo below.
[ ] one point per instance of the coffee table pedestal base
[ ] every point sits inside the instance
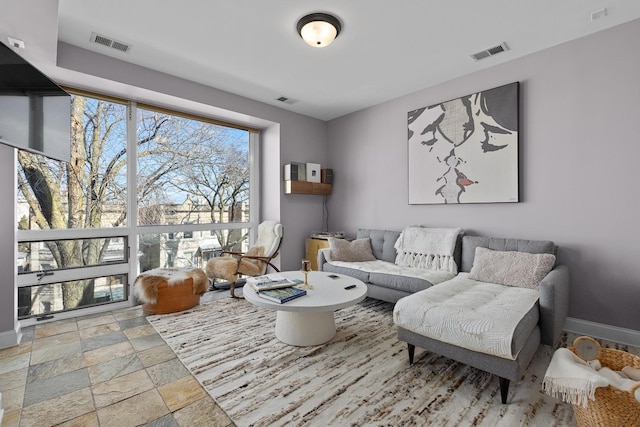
(305, 328)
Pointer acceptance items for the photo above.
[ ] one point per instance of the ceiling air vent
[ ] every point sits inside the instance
(286, 100)
(110, 42)
(490, 52)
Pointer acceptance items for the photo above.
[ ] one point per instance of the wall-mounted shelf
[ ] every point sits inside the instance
(304, 187)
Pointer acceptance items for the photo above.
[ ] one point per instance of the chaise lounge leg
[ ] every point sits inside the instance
(412, 350)
(504, 389)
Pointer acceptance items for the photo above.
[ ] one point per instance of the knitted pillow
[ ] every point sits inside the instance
(354, 251)
(509, 268)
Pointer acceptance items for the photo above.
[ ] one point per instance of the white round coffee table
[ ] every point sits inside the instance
(309, 320)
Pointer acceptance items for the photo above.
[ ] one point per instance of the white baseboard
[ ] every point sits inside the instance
(602, 331)
(10, 338)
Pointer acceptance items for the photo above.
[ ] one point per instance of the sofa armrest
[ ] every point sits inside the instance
(554, 304)
(324, 256)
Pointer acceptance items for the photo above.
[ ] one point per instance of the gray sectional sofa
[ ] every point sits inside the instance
(380, 284)
(542, 324)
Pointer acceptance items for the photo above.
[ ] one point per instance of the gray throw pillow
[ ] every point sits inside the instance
(520, 269)
(357, 250)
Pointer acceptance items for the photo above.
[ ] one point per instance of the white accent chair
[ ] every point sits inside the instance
(230, 265)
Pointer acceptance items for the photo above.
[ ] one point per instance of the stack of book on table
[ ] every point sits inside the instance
(270, 281)
(282, 295)
(276, 288)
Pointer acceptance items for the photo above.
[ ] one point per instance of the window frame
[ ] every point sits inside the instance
(131, 231)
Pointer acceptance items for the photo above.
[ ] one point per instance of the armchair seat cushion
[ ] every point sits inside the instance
(484, 317)
(222, 268)
(249, 266)
(228, 267)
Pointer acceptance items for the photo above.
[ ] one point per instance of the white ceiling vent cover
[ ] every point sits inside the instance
(490, 52)
(110, 42)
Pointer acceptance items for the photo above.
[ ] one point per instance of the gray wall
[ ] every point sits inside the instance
(579, 156)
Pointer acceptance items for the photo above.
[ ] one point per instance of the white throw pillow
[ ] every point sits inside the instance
(520, 269)
(357, 250)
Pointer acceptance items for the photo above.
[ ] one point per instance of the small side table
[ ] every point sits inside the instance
(311, 247)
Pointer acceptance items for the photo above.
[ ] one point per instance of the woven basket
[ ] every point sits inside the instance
(611, 407)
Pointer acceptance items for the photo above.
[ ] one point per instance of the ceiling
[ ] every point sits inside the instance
(386, 48)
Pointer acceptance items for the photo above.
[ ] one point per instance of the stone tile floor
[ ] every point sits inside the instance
(108, 369)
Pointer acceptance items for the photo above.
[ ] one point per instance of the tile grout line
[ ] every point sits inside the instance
(48, 331)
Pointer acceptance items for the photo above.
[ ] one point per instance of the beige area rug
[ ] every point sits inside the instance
(360, 378)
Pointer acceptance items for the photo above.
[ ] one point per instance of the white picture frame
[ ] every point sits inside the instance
(313, 172)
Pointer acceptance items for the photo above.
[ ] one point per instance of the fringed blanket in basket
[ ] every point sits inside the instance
(610, 378)
(428, 248)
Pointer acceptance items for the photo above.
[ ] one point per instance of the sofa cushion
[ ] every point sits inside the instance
(511, 268)
(408, 279)
(403, 283)
(478, 316)
(382, 242)
(339, 268)
(470, 243)
(389, 275)
(355, 251)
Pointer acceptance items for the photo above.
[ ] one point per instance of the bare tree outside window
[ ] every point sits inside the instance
(208, 183)
(79, 194)
(189, 172)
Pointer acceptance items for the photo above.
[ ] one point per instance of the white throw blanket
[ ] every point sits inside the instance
(573, 380)
(428, 248)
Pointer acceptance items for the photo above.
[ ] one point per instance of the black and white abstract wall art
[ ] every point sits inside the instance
(466, 150)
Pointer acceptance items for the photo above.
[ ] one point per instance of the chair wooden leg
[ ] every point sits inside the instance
(233, 291)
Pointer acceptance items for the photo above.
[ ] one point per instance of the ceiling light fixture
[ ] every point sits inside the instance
(319, 29)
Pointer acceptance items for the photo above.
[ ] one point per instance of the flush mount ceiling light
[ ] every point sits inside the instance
(319, 29)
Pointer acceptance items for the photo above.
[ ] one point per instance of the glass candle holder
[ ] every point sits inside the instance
(306, 268)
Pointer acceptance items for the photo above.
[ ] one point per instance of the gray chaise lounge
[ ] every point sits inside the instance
(552, 309)
(542, 324)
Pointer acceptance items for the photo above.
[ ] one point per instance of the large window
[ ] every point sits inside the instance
(88, 192)
(192, 176)
(190, 171)
(177, 185)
